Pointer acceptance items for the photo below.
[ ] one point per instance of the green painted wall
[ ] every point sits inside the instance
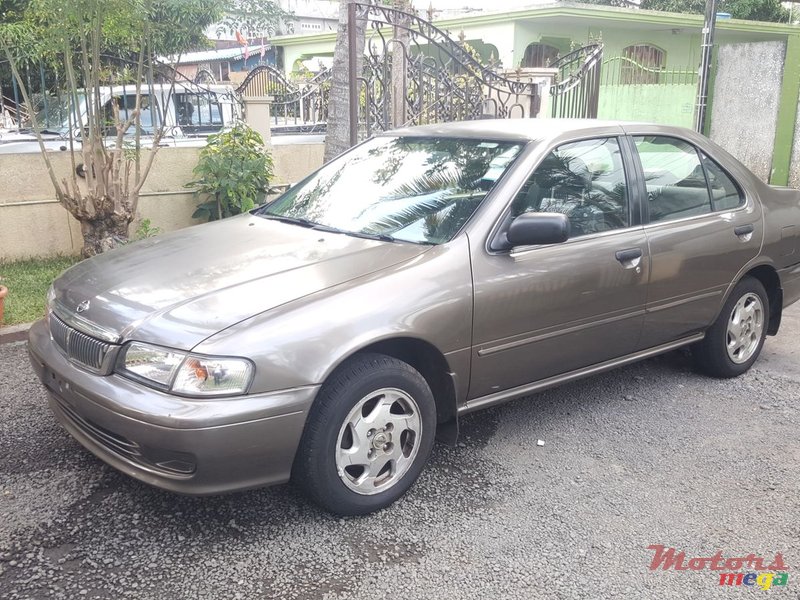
(664, 104)
(787, 115)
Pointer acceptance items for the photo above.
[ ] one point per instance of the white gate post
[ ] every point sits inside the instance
(256, 114)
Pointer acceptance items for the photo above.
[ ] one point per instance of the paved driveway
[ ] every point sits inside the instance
(650, 454)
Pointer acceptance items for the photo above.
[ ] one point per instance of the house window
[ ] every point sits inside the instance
(538, 56)
(642, 64)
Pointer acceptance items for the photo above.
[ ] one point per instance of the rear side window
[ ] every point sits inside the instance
(198, 112)
(682, 181)
(676, 183)
(126, 103)
(725, 194)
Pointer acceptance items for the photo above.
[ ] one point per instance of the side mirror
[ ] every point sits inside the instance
(532, 228)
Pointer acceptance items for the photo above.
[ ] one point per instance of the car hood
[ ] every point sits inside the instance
(177, 289)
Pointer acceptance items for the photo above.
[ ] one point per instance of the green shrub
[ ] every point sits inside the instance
(145, 229)
(233, 173)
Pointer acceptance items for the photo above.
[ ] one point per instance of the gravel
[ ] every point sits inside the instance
(649, 454)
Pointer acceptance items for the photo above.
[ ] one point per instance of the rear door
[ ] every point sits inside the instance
(702, 229)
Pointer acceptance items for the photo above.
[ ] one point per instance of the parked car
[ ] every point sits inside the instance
(185, 113)
(329, 335)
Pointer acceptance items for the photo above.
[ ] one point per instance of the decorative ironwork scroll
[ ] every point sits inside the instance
(295, 104)
(576, 91)
(414, 73)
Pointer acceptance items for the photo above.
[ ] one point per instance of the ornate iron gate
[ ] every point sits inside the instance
(437, 79)
(303, 104)
(577, 88)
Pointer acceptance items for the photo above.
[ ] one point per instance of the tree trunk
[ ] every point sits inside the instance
(103, 234)
(337, 138)
(105, 228)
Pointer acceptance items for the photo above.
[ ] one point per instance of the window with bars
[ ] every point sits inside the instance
(538, 56)
(642, 64)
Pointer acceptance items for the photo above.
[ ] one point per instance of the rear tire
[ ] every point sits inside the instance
(368, 436)
(734, 342)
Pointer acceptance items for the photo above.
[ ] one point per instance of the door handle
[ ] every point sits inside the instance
(630, 258)
(744, 231)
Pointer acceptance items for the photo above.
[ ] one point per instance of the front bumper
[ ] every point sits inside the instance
(196, 447)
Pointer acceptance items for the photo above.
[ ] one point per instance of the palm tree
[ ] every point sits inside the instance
(337, 139)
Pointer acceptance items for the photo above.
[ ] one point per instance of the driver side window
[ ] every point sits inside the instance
(584, 180)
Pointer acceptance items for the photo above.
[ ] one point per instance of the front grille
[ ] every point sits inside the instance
(78, 346)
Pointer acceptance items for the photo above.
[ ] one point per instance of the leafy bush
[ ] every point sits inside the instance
(234, 173)
(145, 229)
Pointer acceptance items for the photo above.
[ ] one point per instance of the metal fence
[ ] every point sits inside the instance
(45, 88)
(620, 70)
(195, 107)
(575, 93)
(298, 105)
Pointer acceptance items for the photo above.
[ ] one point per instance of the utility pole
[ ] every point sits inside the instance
(705, 64)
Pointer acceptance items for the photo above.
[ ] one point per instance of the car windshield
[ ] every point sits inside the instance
(419, 190)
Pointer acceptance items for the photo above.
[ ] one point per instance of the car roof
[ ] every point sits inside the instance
(517, 130)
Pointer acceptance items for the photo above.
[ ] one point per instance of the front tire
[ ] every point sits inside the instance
(734, 342)
(368, 436)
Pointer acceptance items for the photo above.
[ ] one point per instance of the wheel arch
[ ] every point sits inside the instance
(434, 368)
(768, 276)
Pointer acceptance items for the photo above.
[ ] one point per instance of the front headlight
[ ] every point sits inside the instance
(151, 363)
(51, 298)
(185, 374)
(213, 376)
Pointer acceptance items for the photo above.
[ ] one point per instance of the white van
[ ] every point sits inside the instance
(186, 113)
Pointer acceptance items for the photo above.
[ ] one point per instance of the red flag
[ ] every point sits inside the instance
(240, 38)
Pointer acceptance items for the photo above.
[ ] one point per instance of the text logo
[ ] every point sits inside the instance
(759, 571)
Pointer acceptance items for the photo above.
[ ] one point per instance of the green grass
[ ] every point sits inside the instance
(27, 282)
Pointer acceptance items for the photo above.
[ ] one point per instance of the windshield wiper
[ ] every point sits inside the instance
(293, 220)
(383, 237)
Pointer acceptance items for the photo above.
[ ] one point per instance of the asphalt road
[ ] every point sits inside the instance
(650, 454)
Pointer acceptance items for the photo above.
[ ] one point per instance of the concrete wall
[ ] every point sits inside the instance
(746, 100)
(32, 223)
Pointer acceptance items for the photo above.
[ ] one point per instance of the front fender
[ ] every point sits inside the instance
(428, 297)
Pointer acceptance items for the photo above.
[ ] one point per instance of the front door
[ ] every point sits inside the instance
(545, 310)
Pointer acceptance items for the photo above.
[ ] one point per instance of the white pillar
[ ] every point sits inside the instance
(256, 114)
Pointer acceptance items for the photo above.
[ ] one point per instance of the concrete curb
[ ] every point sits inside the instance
(14, 333)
